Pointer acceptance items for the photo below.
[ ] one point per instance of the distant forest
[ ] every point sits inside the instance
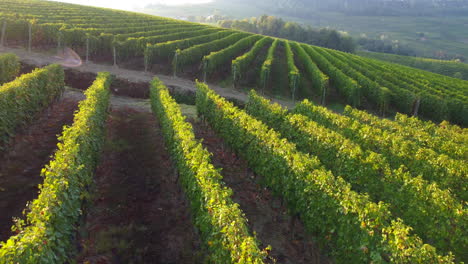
(277, 27)
(324, 37)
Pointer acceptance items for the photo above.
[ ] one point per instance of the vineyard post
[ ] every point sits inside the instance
(87, 49)
(59, 41)
(234, 76)
(205, 66)
(265, 78)
(174, 63)
(145, 61)
(30, 37)
(114, 53)
(324, 91)
(416, 107)
(294, 84)
(2, 40)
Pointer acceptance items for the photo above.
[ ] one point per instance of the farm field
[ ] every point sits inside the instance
(154, 166)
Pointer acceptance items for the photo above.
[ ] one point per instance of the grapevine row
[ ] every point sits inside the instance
(240, 65)
(420, 136)
(268, 64)
(48, 237)
(293, 72)
(221, 222)
(9, 67)
(433, 213)
(167, 49)
(215, 59)
(27, 95)
(359, 230)
(195, 53)
(448, 173)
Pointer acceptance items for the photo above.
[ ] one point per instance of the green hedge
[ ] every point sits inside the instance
(319, 79)
(241, 64)
(9, 67)
(216, 59)
(433, 213)
(49, 234)
(293, 72)
(196, 53)
(221, 222)
(268, 64)
(23, 98)
(167, 49)
(422, 162)
(356, 229)
(419, 135)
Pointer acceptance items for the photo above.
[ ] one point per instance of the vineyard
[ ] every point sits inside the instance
(156, 181)
(209, 53)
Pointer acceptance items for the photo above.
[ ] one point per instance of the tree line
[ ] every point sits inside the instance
(277, 27)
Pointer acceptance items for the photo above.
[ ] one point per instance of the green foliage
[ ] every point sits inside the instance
(9, 67)
(268, 63)
(454, 69)
(380, 85)
(357, 230)
(441, 97)
(27, 95)
(49, 234)
(418, 135)
(369, 88)
(445, 131)
(221, 222)
(216, 59)
(132, 47)
(346, 86)
(293, 71)
(432, 213)
(241, 64)
(319, 79)
(163, 29)
(195, 53)
(167, 49)
(421, 161)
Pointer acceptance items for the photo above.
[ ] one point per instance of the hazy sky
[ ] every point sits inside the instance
(129, 4)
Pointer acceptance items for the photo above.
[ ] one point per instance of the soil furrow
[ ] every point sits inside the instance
(139, 213)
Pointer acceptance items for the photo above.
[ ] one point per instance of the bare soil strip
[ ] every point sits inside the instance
(28, 152)
(139, 213)
(267, 217)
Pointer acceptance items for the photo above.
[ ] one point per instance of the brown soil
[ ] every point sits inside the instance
(27, 153)
(267, 217)
(139, 213)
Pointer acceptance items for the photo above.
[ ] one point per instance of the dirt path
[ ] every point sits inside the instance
(29, 151)
(139, 212)
(40, 59)
(265, 213)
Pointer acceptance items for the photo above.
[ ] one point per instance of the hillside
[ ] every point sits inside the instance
(433, 29)
(113, 152)
(276, 67)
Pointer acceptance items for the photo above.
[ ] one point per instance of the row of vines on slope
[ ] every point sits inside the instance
(48, 235)
(359, 230)
(27, 95)
(222, 224)
(433, 213)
